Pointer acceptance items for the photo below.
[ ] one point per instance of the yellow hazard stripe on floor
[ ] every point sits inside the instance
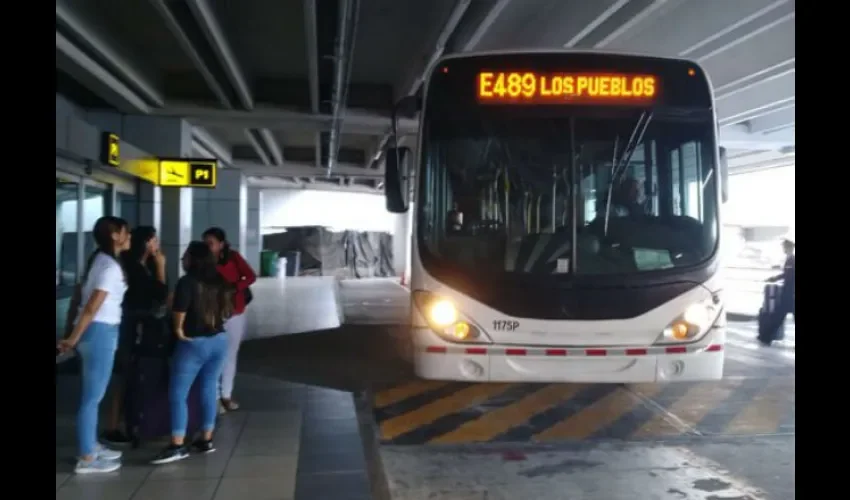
(594, 417)
(400, 393)
(763, 415)
(685, 413)
(501, 420)
(428, 412)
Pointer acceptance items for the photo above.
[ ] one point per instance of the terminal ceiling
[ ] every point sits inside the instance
(256, 77)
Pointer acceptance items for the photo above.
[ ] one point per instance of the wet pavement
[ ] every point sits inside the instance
(677, 441)
(732, 439)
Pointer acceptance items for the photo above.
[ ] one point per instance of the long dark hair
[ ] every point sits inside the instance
(103, 230)
(219, 234)
(215, 295)
(139, 239)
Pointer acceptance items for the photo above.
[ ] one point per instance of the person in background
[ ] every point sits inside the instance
(203, 300)
(787, 296)
(144, 313)
(95, 337)
(454, 219)
(236, 271)
(629, 199)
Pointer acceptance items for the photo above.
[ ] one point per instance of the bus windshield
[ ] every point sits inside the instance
(587, 190)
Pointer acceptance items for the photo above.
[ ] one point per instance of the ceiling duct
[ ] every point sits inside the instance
(346, 33)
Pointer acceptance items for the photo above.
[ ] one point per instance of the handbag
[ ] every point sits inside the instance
(249, 295)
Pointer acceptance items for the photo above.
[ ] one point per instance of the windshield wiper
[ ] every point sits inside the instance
(619, 167)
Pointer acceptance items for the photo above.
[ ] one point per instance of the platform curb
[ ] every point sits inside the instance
(371, 445)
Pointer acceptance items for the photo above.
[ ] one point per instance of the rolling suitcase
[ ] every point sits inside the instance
(147, 408)
(146, 405)
(767, 319)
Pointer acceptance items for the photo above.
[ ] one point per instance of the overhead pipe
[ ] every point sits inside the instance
(272, 145)
(441, 47)
(278, 183)
(221, 51)
(208, 23)
(200, 150)
(192, 51)
(452, 23)
(597, 22)
(211, 144)
(311, 34)
(86, 70)
(125, 71)
(357, 121)
(449, 28)
(348, 13)
(258, 148)
(302, 169)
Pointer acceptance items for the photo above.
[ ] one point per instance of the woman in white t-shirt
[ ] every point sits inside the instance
(95, 337)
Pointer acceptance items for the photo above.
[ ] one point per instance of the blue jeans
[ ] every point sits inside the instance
(97, 355)
(200, 357)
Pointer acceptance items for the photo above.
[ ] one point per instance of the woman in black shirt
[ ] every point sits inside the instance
(143, 314)
(203, 300)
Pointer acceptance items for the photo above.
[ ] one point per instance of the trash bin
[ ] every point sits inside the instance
(293, 263)
(268, 263)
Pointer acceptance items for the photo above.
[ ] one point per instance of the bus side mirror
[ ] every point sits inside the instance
(396, 175)
(724, 176)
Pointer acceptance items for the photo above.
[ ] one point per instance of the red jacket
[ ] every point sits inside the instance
(238, 272)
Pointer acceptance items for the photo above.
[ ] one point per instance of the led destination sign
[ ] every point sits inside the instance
(508, 87)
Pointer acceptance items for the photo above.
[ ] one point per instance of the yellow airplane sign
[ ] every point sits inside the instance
(187, 173)
(111, 149)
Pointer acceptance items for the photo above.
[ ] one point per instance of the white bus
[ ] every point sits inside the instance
(566, 220)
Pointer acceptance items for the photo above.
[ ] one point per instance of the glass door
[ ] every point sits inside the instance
(67, 226)
(97, 202)
(68, 209)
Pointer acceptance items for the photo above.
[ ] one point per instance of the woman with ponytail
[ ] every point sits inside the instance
(203, 301)
(95, 337)
(237, 272)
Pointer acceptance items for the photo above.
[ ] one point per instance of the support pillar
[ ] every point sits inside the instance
(169, 210)
(226, 207)
(149, 205)
(253, 235)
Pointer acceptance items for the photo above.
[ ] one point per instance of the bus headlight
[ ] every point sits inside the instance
(445, 320)
(699, 314)
(441, 313)
(693, 324)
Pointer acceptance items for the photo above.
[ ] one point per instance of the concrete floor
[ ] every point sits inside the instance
(597, 471)
(694, 464)
(343, 365)
(285, 443)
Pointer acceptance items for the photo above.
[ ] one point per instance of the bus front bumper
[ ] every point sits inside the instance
(436, 359)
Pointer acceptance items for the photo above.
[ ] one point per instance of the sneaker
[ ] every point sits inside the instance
(97, 466)
(171, 454)
(221, 409)
(229, 404)
(116, 438)
(203, 446)
(107, 454)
